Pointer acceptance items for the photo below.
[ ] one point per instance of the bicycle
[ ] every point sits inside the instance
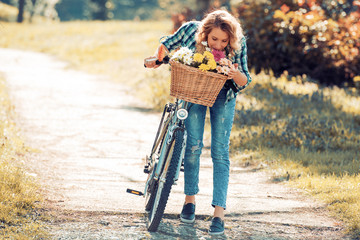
(165, 161)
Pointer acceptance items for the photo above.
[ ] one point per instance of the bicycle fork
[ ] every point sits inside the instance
(181, 115)
(156, 177)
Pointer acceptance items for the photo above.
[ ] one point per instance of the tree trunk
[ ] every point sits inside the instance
(202, 8)
(20, 17)
(32, 13)
(99, 10)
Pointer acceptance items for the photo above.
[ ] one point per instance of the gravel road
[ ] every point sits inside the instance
(92, 137)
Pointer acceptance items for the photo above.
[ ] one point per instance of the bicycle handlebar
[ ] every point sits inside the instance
(166, 60)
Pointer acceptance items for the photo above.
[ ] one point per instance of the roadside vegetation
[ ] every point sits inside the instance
(19, 217)
(308, 135)
(305, 134)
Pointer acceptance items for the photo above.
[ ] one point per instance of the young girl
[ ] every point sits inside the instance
(219, 31)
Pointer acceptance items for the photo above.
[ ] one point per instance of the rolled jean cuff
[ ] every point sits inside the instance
(219, 205)
(191, 193)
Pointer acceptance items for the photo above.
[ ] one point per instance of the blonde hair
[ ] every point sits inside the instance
(227, 23)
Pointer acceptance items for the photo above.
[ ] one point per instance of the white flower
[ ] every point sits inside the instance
(206, 46)
(225, 62)
(183, 55)
(187, 60)
(225, 70)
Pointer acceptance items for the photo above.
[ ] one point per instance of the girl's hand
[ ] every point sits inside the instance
(150, 62)
(234, 71)
(238, 77)
(160, 53)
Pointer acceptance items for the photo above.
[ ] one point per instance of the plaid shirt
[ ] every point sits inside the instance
(185, 37)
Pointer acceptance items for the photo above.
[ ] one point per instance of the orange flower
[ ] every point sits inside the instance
(284, 8)
(301, 2)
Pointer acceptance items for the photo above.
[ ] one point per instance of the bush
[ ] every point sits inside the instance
(320, 38)
(8, 13)
(19, 197)
(317, 127)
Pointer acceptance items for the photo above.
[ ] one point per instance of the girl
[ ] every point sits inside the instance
(219, 31)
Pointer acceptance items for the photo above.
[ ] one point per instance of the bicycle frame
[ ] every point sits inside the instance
(173, 122)
(165, 162)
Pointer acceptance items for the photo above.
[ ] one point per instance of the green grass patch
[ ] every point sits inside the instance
(341, 193)
(19, 218)
(307, 134)
(114, 48)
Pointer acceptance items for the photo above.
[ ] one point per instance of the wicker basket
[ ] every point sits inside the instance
(193, 85)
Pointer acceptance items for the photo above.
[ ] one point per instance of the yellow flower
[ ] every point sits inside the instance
(204, 67)
(279, 14)
(208, 55)
(212, 64)
(198, 57)
(356, 79)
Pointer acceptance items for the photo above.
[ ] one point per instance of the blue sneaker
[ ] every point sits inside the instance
(217, 226)
(188, 213)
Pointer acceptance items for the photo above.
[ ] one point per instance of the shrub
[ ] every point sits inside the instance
(8, 13)
(285, 115)
(320, 38)
(19, 211)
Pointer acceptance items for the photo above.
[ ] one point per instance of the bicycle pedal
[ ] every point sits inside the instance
(135, 192)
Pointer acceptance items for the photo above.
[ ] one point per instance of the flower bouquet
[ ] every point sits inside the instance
(198, 77)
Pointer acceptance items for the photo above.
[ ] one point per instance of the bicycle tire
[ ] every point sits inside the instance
(150, 196)
(160, 199)
(152, 187)
(150, 201)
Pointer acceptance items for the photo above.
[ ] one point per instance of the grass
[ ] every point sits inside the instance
(19, 218)
(308, 134)
(7, 12)
(115, 49)
(305, 133)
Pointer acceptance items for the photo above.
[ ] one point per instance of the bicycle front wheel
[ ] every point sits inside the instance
(166, 180)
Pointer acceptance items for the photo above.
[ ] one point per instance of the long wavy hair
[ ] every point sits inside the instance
(227, 23)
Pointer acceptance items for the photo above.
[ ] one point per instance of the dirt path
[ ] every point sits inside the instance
(92, 137)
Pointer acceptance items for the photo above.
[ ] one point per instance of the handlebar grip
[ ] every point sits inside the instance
(165, 60)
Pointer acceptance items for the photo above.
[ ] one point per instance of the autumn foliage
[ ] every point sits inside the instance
(319, 38)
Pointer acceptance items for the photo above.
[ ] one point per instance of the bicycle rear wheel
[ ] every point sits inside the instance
(162, 191)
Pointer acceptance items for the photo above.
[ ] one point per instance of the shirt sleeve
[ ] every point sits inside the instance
(241, 58)
(181, 36)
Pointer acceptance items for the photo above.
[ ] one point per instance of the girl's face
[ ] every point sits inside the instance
(218, 39)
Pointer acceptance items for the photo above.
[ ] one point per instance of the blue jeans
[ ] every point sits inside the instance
(221, 117)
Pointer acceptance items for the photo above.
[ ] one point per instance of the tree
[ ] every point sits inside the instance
(205, 6)
(44, 8)
(33, 2)
(202, 8)
(21, 6)
(100, 9)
